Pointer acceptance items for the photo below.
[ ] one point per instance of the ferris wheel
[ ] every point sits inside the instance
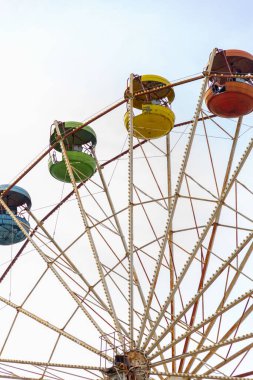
(143, 268)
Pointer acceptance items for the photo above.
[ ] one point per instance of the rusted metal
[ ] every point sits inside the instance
(245, 374)
(235, 98)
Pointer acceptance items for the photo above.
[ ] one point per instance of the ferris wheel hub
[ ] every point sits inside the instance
(129, 365)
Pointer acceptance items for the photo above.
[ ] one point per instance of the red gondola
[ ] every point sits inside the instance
(231, 97)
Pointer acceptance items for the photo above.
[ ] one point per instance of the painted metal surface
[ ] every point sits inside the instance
(227, 61)
(17, 196)
(83, 166)
(80, 137)
(231, 97)
(155, 121)
(235, 100)
(10, 233)
(79, 148)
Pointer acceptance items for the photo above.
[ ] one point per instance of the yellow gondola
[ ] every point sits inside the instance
(146, 82)
(155, 121)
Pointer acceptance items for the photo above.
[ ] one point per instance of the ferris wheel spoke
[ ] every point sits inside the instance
(245, 187)
(224, 338)
(151, 198)
(165, 265)
(90, 237)
(173, 207)
(120, 262)
(50, 364)
(206, 321)
(130, 214)
(212, 218)
(195, 305)
(150, 322)
(200, 185)
(114, 214)
(171, 259)
(59, 336)
(191, 198)
(178, 282)
(215, 346)
(15, 319)
(230, 359)
(206, 117)
(24, 301)
(53, 350)
(95, 223)
(102, 221)
(214, 229)
(120, 232)
(138, 314)
(132, 272)
(55, 208)
(217, 219)
(224, 204)
(225, 297)
(69, 336)
(46, 151)
(9, 333)
(210, 156)
(55, 368)
(205, 287)
(149, 317)
(49, 263)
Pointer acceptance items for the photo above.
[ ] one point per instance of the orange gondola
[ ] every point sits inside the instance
(231, 97)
